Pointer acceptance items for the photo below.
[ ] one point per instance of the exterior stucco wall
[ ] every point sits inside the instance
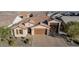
(39, 26)
(25, 31)
(20, 35)
(53, 21)
(28, 24)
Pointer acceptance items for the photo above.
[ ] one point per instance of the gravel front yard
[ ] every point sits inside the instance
(36, 41)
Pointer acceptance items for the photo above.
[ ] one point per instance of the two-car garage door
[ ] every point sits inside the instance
(40, 31)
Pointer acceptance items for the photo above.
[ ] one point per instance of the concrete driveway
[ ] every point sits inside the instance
(48, 41)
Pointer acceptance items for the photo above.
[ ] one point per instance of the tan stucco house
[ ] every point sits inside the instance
(39, 25)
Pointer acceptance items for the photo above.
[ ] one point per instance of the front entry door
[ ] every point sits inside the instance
(29, 30)
(54, 28)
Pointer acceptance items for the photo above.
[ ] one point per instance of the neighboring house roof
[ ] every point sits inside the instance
(67, 19)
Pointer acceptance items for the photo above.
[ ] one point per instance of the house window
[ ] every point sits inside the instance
(21, 31)
(16, 31)
(31, 15)
(23, 24)
(29, 30)
(21, 16)
(45, 22)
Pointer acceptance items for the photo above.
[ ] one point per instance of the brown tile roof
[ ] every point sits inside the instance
(33, 20)
(36, 20)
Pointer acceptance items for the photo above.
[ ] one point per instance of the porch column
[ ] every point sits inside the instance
(48, 31)
(32, 31)
(59, 27)
(11, 31)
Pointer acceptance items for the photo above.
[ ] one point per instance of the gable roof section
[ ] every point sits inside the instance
(22, 21)
(41, 24)
(33, 20)
(36, 20)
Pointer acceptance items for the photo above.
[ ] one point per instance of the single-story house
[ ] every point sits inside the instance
(40, 25)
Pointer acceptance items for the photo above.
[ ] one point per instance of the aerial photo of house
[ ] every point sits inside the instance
(39, 28)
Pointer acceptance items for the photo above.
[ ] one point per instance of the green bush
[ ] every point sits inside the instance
(4, 32)
(72, 29)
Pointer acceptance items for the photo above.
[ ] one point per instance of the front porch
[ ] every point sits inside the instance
(55, 26)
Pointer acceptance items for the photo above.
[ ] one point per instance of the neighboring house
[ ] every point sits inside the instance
(67, 19)
(39, 25)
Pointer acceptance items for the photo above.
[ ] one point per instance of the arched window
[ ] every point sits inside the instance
(23, 24)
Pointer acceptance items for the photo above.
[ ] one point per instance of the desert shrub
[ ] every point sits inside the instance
(2, 39)
(10, 37)
(22, 38)
(26, 41)
(72, 29)
(11, 42)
